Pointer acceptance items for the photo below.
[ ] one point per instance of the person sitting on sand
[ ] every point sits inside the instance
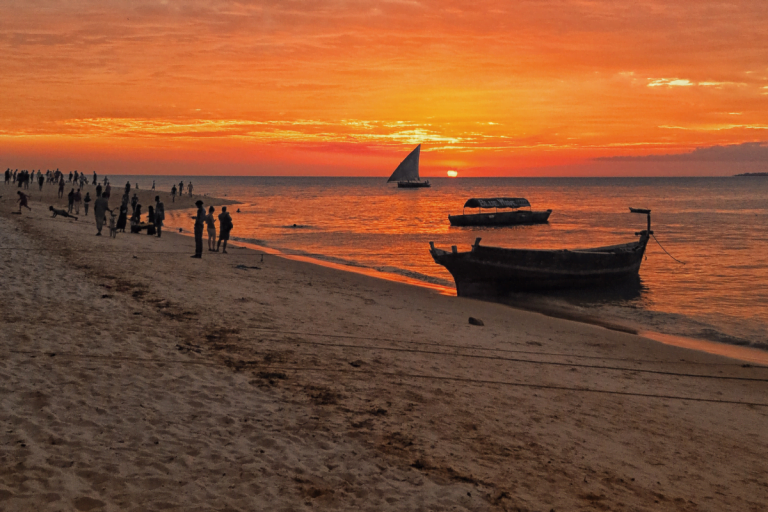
(23, 200)
(225, 226)
(63, 213)
(136, 219)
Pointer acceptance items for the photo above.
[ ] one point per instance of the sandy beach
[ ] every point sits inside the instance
(136, 378)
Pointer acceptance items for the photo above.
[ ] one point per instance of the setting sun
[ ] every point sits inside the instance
(452, 174)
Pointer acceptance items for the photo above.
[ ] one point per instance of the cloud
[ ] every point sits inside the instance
(746, 152)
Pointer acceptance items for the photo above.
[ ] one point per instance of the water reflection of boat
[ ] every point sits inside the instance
(407, 173)
(493, 271)
(517, 216)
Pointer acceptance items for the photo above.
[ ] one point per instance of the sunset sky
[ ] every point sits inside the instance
(490, 88)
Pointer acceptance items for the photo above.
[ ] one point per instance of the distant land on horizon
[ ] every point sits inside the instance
(752, 174)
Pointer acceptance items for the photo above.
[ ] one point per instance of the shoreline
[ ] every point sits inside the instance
(736, 352)
(135, 374)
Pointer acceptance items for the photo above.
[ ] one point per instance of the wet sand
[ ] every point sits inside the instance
(136, 378)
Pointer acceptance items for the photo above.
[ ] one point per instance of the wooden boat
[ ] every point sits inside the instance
(407, 173)
(493, 271)
(516, 216)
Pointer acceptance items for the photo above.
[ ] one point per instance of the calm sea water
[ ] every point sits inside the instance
(717, 226)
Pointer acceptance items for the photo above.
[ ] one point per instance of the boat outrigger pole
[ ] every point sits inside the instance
(648, 212)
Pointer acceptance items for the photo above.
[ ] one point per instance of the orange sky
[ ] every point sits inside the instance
(350, 87)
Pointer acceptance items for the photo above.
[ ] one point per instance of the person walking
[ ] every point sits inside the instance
(159, 216)
(173, 194)
(199, 223)
(100, 209)
(210, 222)
(23, 200)
(87, 202)
(225, 226)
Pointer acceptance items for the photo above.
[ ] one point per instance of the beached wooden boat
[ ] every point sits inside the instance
(493, 271)
(407, 173)
(496, 218)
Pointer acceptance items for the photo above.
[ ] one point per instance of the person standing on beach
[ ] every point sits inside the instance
(61, 188)
(70, 200)
(173, 194)
(94, 178)
(23, 200)
(199, 223)
(189, 187)
(87, 202)
(153, 184)
(100, 209)
(159, 216)
(122, 218)
(78, 200)
(134, 201)
(181, 188)
(210, 222)
(98, 190)
(40, 180)
(225, 226)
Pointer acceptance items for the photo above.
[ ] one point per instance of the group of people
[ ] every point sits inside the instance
(180, 190)
(24, 177)
(155, 215)
(202, 219)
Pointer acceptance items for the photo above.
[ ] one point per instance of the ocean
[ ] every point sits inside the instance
(716, 227)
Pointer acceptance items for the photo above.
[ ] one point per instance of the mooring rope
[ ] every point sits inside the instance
(663, 249)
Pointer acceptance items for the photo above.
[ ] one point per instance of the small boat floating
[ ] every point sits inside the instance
(407, 173)
(517, 216)
(493, 271)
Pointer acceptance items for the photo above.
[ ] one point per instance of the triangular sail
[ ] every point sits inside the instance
(408, 170)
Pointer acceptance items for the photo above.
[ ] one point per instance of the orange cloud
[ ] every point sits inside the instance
(493, 88)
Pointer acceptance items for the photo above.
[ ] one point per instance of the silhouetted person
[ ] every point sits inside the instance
(159, 216)
(23, 201)
(87, 202)
(100, 209)
(199, 223)
(225, 226)
(63, 213)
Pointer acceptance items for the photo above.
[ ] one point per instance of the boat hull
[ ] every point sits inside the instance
(494, 271)
(500, 218)
(413, 184)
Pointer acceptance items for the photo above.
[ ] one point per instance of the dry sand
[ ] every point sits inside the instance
(133, 377)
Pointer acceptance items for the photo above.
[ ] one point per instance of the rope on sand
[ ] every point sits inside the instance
(367, 373)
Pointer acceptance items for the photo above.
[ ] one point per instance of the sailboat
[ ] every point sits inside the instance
(407, 173)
